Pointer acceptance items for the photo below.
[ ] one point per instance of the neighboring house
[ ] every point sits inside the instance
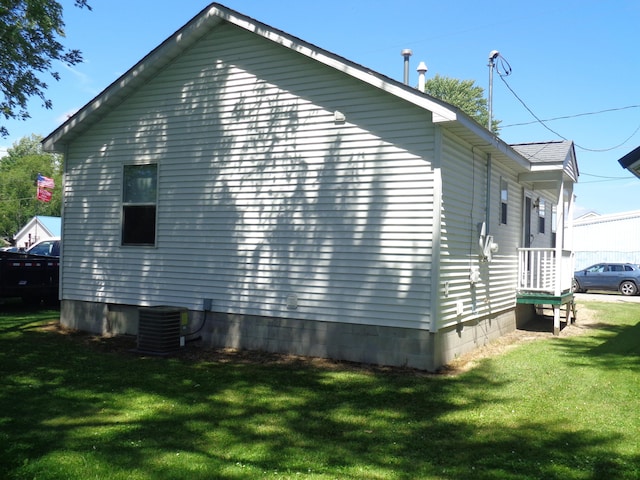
(587, 216)
(631, 161)
(38, 228)
(294, 201)
(550, 163)
(607, 238)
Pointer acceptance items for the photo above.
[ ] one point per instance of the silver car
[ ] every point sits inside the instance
(617, 277)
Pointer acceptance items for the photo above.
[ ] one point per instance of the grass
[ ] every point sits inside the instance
(559, 408)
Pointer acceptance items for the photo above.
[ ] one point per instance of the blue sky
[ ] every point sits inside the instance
(576, 59)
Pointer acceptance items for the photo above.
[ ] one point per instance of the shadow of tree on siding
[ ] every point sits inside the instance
(60, 399)
(272, 206)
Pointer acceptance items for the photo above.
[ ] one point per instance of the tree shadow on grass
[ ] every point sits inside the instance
(73, 407)
(613, 343)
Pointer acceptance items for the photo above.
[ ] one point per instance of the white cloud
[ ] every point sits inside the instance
(82, 77)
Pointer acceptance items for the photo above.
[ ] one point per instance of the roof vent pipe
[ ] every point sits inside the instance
(406, 53)
(422, 70)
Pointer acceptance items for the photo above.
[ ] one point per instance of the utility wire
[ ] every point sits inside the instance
(542, 122)
(601, 179)
(612, 179)
(17, 199)
(605, 176)
(571, 116)
(503, 67)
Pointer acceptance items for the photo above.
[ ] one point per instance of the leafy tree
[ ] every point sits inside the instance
(463, 94)
(30, 34)
(18, 173)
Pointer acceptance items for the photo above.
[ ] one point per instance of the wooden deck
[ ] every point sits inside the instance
(544, 278)
(565, 300)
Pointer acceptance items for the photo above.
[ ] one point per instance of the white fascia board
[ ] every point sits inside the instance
(546, 167)
(136, 75)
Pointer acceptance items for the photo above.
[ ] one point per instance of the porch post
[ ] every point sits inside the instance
(559, 245)
(569, 233)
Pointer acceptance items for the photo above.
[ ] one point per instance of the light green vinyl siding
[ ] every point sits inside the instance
(464, 207)
(263, 195)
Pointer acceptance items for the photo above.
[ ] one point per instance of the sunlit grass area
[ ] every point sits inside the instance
(557, 408)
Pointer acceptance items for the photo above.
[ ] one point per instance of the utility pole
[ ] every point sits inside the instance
(492, 57)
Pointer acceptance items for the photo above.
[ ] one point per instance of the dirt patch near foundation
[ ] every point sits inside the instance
(539, 329)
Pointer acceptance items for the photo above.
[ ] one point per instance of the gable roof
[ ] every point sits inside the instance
(51, 225)
(587, 216)
(593, 218)
(553, 155)
(553, 165)
(215, 14)
(544, 152)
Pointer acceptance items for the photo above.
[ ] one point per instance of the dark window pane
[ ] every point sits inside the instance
(139, 225)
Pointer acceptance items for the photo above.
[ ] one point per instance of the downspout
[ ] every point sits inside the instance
(65, 163)
(436, 235)
(488, 194)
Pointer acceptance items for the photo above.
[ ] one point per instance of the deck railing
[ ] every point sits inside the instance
(539, 270)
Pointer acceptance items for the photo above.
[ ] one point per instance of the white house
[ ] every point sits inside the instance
(40, 227)
(607, 238)
(294, 201)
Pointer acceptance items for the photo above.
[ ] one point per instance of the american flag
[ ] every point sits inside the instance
(45, 182)
(44, 195)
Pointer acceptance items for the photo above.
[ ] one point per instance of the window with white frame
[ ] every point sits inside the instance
(139, 200)
(542, 212)
(504, 200)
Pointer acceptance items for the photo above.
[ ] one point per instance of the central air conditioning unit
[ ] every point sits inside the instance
(159, 329)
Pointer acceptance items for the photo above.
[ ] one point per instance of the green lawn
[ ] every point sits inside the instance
(558, 408)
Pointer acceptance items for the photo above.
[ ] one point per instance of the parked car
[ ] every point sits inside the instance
(617, 277)
(11, 249)
(49, 248)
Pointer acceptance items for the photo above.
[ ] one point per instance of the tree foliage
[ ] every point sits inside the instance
(30, 41)
(463, 94)
(18, 174)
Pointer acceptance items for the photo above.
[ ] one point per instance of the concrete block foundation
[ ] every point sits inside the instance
(379, 345)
